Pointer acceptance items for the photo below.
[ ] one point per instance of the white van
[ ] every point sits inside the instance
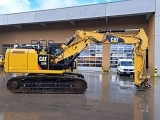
(125, 67)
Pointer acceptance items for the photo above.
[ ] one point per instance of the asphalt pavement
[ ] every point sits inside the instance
(108, 97)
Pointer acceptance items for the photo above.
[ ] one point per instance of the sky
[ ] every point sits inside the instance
(16, 6)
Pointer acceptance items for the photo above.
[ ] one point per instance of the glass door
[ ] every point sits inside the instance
(120, 51)
(90, 59)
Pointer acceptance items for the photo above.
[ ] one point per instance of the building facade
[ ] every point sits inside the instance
(60, 24)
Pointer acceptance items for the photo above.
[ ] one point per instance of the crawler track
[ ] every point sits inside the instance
(64, 84)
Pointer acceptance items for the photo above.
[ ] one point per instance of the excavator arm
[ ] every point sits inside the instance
(140, 41)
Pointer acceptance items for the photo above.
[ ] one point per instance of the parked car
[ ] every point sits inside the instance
(125, 67)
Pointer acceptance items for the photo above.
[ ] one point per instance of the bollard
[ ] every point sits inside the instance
(109, 68)
(102, 70)
(155, 72)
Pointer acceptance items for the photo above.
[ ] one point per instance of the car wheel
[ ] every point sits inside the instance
(118, 72)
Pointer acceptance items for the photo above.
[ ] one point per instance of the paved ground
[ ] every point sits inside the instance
(108, 97)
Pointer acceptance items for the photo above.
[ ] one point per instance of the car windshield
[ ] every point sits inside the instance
(126, 63)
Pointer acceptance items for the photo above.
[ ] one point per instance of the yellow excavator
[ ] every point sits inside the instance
(48, 73)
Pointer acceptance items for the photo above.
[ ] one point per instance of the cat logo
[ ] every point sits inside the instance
(42, 59)
(114, 39)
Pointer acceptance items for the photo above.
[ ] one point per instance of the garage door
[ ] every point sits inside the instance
(90, 59)
(119, 51)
